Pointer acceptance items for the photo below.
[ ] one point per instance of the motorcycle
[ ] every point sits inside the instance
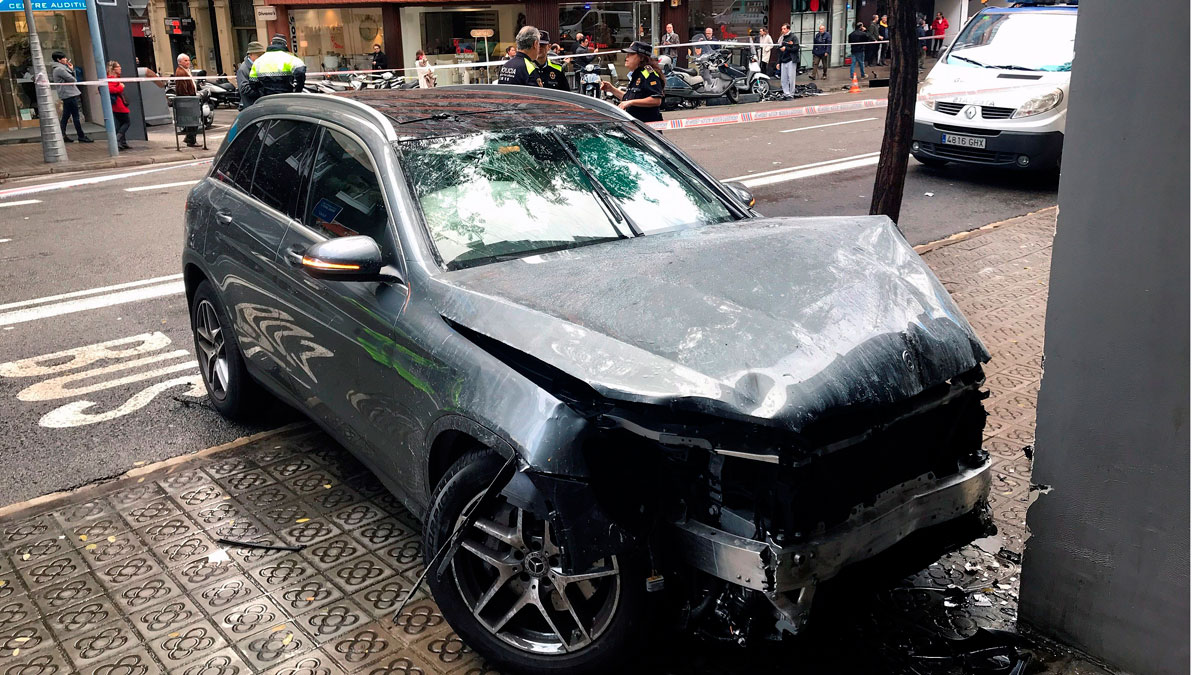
(589, 80)
(222, 92)
(686, 87)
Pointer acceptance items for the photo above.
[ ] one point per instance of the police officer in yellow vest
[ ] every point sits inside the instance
(276, 72)
(553, 75)
(644, 94)
(523, 68)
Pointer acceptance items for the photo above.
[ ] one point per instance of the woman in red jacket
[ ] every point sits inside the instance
(116, 90)
(940, 24)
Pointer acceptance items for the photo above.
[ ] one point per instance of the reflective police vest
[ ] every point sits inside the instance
(277, 72)
(520, 69)
(554, 77)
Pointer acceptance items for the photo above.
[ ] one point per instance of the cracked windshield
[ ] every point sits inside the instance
(496, 195)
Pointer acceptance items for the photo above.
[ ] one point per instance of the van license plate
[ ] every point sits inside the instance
(965, 141)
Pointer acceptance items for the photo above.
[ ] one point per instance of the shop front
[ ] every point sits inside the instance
(62, 26)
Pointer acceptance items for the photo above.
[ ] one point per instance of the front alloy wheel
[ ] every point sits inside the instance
(211, 350)
(507, 594)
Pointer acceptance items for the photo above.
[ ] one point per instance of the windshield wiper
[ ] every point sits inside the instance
(1011, 67)
(614, 211)
(963, 58)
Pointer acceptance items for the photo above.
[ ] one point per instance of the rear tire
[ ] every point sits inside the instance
(230, 389)
(543, 636)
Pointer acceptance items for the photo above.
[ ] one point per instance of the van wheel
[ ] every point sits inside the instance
(506, 593)
(230, 389)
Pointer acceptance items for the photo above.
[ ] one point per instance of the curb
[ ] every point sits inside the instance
(971, 234)
(142, 471)
(114, 163)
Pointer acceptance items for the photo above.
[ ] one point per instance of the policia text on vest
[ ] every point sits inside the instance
(521, 69)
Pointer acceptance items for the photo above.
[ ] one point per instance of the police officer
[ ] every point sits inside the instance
(553, 75)
(523, 68)
(644, 95)
(276, 72)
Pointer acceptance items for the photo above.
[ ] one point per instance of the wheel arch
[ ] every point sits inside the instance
(453, 436)
(192, 277)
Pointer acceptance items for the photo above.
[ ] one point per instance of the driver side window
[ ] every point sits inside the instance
(344, 197)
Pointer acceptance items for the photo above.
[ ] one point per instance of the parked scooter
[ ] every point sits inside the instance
(207, 114)
(222, 92)
(686, 88)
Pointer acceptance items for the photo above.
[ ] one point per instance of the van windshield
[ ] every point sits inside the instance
(1036, 40)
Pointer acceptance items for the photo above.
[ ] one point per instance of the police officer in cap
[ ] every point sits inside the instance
(644, 95)
(553, 76)
(523, 68)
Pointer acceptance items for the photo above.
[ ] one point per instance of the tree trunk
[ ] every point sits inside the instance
(902, 104)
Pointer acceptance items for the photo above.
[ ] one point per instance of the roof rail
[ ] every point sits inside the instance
(588, 102)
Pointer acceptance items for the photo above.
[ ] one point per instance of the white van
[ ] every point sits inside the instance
(998, 95)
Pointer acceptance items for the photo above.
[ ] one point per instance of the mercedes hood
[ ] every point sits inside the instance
(775, 319)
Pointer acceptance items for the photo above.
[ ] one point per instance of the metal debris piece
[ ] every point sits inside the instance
(1011, 556)
(260, 545)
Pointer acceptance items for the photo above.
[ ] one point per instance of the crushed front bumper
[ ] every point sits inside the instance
(896, 514)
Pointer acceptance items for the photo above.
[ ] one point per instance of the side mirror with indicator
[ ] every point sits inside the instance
(357, 258)
(741, 192)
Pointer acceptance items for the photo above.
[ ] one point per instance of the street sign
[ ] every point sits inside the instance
(42, 5)
(265, 13)
(482, 33)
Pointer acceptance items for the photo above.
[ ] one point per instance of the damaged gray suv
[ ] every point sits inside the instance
(620, 399)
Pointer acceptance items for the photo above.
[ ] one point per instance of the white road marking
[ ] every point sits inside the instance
(93, 302)
(75, 414)
(91, 291)
(161, 186)
(5, 241)
(23, 202)
(831, 124)
(76, 182)
(790, 169)
(799, 172)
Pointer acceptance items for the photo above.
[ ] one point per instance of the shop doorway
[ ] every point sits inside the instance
(57, 32)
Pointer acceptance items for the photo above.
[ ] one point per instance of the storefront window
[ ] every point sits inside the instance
(729, 19)
(241, 15)
(337, 39)
(800, 6)
(57, 32)
(609, 25)
(449, 33)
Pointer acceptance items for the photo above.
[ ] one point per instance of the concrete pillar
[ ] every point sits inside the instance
(157, 11)
(206, 49)
(230, 59)
(393, 41)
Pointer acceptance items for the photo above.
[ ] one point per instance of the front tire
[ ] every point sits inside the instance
(506, 594)
(230, 389)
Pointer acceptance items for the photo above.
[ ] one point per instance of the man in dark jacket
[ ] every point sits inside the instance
(253, 51)
(821, 42)
(276, 72)
(378, 58)
(789, 58)
(859, 41)
(872, 52)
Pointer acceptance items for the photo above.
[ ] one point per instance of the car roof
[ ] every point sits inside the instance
(447, 111)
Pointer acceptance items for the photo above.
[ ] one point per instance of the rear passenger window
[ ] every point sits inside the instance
(236, 167)
(344, 198)
(286, 149)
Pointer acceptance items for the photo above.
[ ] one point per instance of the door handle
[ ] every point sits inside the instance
(294, 256)
(224, 217)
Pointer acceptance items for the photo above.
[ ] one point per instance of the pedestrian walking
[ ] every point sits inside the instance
(860, 44)
(873, 33)
(185, 86)
(940, 24)
(69, 94)
(426, 79)
(523, 68)
(766, 47)
(669, 40)
(120, 107)
(277, 71)
(378, 58)
(820, 53)
(643, 97)
(884, 45)
(253, 50)
(922, 43)
(789, 56)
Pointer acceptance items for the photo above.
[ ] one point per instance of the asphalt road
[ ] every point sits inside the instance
(102, 380)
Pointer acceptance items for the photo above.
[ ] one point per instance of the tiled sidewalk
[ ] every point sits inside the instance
(128, 577)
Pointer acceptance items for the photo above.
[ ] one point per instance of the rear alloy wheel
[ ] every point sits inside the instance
(761, 87)
(506, 592)
(230, 389)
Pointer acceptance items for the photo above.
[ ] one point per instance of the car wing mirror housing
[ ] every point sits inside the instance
(741, 192)
(357, 258)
